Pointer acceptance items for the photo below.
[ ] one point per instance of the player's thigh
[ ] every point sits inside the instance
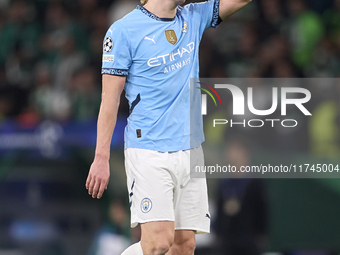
(184, 237)
(192, 208)
(191, 200)
(157, 234)
(150, 185)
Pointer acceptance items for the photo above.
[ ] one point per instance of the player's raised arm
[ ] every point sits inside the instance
(99, 174)
(229, 7)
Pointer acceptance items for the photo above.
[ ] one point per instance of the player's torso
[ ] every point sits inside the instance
(164, 56)
(163, 51)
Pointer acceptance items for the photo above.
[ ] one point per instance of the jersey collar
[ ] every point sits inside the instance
(153, 16)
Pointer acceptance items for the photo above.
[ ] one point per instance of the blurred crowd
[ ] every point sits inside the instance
(50, 50)
(50, 57)
(273, 38)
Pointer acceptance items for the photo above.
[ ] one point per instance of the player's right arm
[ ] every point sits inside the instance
(211, 13)
(98, 177)
(116, 64)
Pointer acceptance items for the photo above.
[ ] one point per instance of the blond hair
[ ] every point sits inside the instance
(143, 1)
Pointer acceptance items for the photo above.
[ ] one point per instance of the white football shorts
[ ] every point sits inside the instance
(160, 188)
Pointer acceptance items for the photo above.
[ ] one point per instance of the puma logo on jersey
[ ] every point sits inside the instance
(111, 31)
(148, 38)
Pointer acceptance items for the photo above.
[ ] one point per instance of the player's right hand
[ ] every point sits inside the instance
(98, 177)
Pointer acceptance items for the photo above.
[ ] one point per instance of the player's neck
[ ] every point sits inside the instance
(162, 8)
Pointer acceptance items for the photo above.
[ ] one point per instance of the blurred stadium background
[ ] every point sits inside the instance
(50, 85)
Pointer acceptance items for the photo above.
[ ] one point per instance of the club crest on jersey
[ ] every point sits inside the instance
(185, 27)
(171, 36)
(146, 205)
(108, 44)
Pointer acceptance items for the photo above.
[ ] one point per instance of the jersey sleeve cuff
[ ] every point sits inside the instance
(113, 71)
(216, 20)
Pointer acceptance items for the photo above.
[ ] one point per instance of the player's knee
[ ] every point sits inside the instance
(157, 237)
(163, 244)
(159, 247)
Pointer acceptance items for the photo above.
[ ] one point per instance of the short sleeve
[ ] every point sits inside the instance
(208, 14)
(116, 51)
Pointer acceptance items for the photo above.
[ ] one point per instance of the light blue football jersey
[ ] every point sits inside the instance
(159, 57)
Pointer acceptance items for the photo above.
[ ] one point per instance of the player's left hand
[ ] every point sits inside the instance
(98, 178)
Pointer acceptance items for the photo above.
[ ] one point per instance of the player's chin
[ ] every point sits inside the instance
(179, 2)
